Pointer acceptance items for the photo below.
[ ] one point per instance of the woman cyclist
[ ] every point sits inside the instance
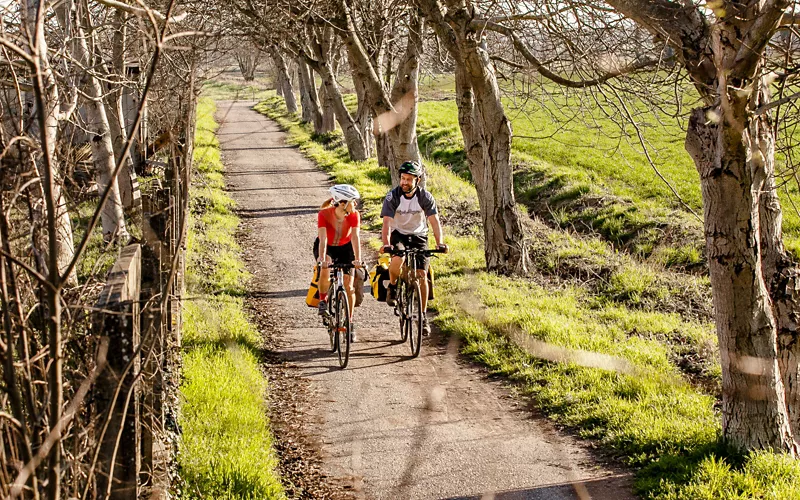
(339, 242)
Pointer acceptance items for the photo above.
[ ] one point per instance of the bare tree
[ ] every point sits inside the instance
(733, 53)
(248, 57)
(486, 131)
(284, 79)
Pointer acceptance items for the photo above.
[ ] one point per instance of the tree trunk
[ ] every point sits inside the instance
(396, 113)
(48, 135)
(328, 113)
(487, 139)
(352, 136)
(248, 59)
(113, 100)
(754, 403)
(309, 99)
(363, 118)
(111, 214)
(405, 96)
(284, 80)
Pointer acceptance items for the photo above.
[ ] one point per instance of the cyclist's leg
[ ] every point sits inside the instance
(351, 293)
(345, 256)
(395, 266)
(325, 277)
(420, 242)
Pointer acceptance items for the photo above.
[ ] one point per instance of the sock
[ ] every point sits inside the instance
(323, 296)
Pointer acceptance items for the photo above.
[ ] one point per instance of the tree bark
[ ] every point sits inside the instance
(111, 214)
(113, 100)
(284, 80)
(754, 409)
(328, 113)
(363, 117)
(309, 99)
(323, 63)
(356, 146)
(487, 137)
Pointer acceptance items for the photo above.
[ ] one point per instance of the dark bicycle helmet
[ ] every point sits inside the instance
(411, 167)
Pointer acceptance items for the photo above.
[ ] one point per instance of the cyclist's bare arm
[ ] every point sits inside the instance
(436, 225)
(355, 240)
(386, 229)
(323, 244)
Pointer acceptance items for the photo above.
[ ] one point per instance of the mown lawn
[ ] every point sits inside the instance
(226, 445)
(604, 368)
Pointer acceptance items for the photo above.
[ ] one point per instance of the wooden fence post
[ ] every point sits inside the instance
(117, 391)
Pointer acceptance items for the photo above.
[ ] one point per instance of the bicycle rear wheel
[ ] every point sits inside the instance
(414, 319)
(342, 327)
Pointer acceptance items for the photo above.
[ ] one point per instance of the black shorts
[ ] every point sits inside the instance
(412, 241)
(342, 255)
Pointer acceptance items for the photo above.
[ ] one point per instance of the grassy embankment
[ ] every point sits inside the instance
(226, 449)
(614, 374)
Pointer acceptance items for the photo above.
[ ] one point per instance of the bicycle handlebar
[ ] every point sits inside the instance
(401, 251)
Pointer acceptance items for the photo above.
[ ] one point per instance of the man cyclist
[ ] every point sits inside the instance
(339, 242)
(406, 212)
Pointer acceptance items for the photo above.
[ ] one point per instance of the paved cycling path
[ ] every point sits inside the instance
(394, 427)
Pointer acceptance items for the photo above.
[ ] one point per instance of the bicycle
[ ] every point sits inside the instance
(408, 304)
(337, 316)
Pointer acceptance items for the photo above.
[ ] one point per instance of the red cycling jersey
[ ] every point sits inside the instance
(339, 231)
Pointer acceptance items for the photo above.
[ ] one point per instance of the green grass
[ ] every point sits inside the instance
(226, 446)
(604, 181)
(592, 358)
(97, 259)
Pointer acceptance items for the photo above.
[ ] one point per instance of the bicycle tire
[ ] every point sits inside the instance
(342, 327)
(415, 324)
(331, 321)
(401, 309)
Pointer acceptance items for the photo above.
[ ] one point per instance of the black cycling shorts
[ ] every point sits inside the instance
(412, 241)
(342, 255)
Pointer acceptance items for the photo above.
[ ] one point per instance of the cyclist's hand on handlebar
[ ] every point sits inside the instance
(386, 248)
(443, 247)
(358, 264)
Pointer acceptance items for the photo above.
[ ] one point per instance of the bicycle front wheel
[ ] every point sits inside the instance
(331, 321)
(342, 327)
(415, 319)
(402, 310)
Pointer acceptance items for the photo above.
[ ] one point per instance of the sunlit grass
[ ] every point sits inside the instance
(226, 447)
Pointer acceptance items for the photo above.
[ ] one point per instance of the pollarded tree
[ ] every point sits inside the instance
(396, 110)
(756, 285)
(485, 129)
(729, 50)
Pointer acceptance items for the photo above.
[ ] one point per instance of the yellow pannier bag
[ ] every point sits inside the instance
(312, 297)
(379, 278)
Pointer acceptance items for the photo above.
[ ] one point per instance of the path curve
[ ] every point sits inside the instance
(388, 427)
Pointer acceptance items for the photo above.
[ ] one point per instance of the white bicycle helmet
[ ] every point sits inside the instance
(344, 192)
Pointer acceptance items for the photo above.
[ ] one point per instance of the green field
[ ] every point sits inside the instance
(591, 175)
